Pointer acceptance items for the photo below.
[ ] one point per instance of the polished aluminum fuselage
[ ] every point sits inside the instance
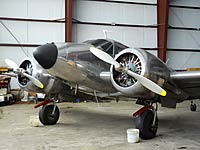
(79, 67)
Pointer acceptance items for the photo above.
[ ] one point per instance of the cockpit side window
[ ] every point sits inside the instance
(105, 45)
(109, 46)
(119, 47)
(97, 42)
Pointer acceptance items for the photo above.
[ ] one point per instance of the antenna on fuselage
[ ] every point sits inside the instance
(167, 61)
(105, 33)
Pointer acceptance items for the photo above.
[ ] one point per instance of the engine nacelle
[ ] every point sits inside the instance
(51, 85)
(140, 62)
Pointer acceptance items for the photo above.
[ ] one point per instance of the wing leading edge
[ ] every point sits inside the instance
(188, 81)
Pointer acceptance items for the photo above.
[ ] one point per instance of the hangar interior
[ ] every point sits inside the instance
(169, 29)
(134, 23)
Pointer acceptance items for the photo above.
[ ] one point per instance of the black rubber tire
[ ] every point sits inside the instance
(144, 124)
(46, 117)
(10, 101)
(193, 107)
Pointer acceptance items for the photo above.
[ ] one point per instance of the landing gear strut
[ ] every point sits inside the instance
(49, 114)
(193, 107)
(147, 122)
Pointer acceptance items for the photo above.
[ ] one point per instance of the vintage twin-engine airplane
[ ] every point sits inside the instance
(85, 67)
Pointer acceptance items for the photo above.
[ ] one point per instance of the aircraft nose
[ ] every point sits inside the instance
(46, 55)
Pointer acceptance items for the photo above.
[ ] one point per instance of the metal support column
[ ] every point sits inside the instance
(68, 20)
(162, 21)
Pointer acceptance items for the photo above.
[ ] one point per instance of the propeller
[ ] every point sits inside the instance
(21, 71)
(144, 81)
(104, 56)
(11, 63)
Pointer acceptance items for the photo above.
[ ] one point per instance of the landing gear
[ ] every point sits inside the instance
(49, 114)
(11, 101)
(147, 122)
(193, 107)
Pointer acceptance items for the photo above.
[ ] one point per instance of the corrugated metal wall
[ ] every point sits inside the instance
(29, 32)
(183, 45)
(116, 13)
(181, 40)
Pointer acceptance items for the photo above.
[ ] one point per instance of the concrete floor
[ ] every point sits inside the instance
(91, 126)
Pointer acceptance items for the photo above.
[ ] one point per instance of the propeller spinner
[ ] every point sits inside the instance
(144, 81)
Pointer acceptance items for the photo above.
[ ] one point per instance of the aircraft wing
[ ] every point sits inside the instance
(188, 81)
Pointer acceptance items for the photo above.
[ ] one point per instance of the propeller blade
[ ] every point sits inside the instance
(34, 80)
(147, 83)
(11, 63)
(144, 81)
(104, 56)
(18, 70)
(9, 74)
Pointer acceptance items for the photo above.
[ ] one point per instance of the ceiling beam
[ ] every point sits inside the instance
(68, 20)
(162, 30)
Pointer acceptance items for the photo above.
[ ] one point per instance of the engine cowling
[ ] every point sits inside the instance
(140, 62)
(51, 85)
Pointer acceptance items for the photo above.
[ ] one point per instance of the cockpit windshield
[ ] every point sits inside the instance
(109, 46)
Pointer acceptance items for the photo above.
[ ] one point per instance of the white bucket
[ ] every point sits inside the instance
(133, 135)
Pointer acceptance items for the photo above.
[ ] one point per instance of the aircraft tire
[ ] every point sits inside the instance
(46, 117)
(144, 124)
(193, 107)
(11, 101)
